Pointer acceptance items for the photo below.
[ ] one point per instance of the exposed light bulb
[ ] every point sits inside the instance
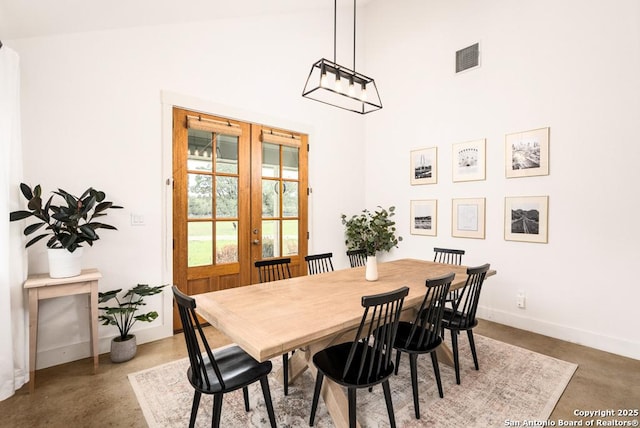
(338, 82)
(363, 93)
(352, 89)
(324, 80)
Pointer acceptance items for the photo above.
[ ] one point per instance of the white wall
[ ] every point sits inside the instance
(93, 105)
(572, 66)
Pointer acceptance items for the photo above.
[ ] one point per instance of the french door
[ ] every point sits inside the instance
(239, 195)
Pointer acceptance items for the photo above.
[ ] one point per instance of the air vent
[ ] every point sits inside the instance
(467, 58)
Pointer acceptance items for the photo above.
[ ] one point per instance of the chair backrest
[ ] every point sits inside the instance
(319, 263)
(357, 257)
(196, 342)
(370, 352)
(273, 269)
(448, 256)
(466, 305)
(425, 329)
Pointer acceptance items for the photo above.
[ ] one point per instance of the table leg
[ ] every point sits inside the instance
(33, 337)
(93, 304)
(334, 396)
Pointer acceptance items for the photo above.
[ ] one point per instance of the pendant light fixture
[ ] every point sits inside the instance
(339, 86)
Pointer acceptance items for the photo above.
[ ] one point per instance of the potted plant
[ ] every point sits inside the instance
(371, 232)
(123, 315)
(68, 225)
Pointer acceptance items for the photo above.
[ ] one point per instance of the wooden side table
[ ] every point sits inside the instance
(44, 287)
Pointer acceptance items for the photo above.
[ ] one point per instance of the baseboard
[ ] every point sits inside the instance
(77, 351)
(581, 337)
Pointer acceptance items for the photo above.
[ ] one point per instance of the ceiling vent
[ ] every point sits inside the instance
(468, 58)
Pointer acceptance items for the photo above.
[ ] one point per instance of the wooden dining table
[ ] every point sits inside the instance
(309, 313)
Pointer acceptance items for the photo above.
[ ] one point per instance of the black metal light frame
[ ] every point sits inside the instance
(358, 93)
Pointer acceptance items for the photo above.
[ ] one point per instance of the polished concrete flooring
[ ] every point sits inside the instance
(70, 395)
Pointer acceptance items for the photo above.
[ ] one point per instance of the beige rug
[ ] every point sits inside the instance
(512, 384)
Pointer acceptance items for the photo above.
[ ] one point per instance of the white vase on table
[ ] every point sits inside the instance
(371, 269)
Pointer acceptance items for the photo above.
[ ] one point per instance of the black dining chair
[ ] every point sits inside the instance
(451, 257)
(274, 270)
(423, 335)
(220, 371)
(448, 256)
(357, 257)
(367, 361)
(319, 263)
(463, 314)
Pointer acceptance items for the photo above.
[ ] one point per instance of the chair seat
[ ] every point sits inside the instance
(404, 331)
(238, 369)
(456, 321)
(331, 362)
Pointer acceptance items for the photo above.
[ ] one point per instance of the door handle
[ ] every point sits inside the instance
(256, 242)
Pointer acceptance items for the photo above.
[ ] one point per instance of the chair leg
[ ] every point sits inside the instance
(285, 372)
(413, 363)
(456, 362)
(264, 383)
(436, 371)
(217, 410)
(316, 395)
(351, 397)
(387, 399)
(194, 408)
(398, 354)
(245, 394)
(472, 344)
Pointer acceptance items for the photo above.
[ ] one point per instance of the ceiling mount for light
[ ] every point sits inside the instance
(339, 86)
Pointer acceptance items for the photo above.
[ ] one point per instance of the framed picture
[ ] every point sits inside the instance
(424, 217)
(527, 153)
(526, 218)
(468, 218)
(469, 160)
(424, 166)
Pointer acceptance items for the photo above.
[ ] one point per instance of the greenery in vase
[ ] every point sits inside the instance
(69, 224)
(371, 231)
(123, 314)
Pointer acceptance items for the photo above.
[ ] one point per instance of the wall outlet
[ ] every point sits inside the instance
(521, 300)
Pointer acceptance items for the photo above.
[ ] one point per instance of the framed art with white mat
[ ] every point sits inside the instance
(527, 153)
(468, 218)
(469, 160)
(526, 218)
(424, 217)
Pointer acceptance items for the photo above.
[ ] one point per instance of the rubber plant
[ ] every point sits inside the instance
(371, 231)
(123, 313)
(69, 224)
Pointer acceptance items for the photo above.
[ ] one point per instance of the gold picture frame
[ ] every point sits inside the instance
(527, 153)
(526, 219)
(424, 217)
(424, 166)
(469, 161)
(468, 218)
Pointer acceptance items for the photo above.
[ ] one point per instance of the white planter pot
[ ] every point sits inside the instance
(371, 269)
(64, 264)
(123, 350)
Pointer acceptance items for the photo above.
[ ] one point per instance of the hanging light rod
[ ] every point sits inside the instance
(339, 86)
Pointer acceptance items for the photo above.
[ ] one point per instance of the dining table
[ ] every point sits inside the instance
(309, 313)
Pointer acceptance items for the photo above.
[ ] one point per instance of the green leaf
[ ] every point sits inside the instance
(19, 215)
(26, 191)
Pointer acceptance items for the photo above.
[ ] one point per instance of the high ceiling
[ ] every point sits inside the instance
(33, 18)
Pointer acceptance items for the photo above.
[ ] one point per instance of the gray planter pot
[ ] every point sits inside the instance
(123, 350)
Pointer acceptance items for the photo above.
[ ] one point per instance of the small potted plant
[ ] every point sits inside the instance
(67, 225)
(371, 232)
(123, 315)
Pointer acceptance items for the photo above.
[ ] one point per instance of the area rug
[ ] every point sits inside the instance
(512, 384)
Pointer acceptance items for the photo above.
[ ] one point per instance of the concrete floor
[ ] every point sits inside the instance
(69, 395)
